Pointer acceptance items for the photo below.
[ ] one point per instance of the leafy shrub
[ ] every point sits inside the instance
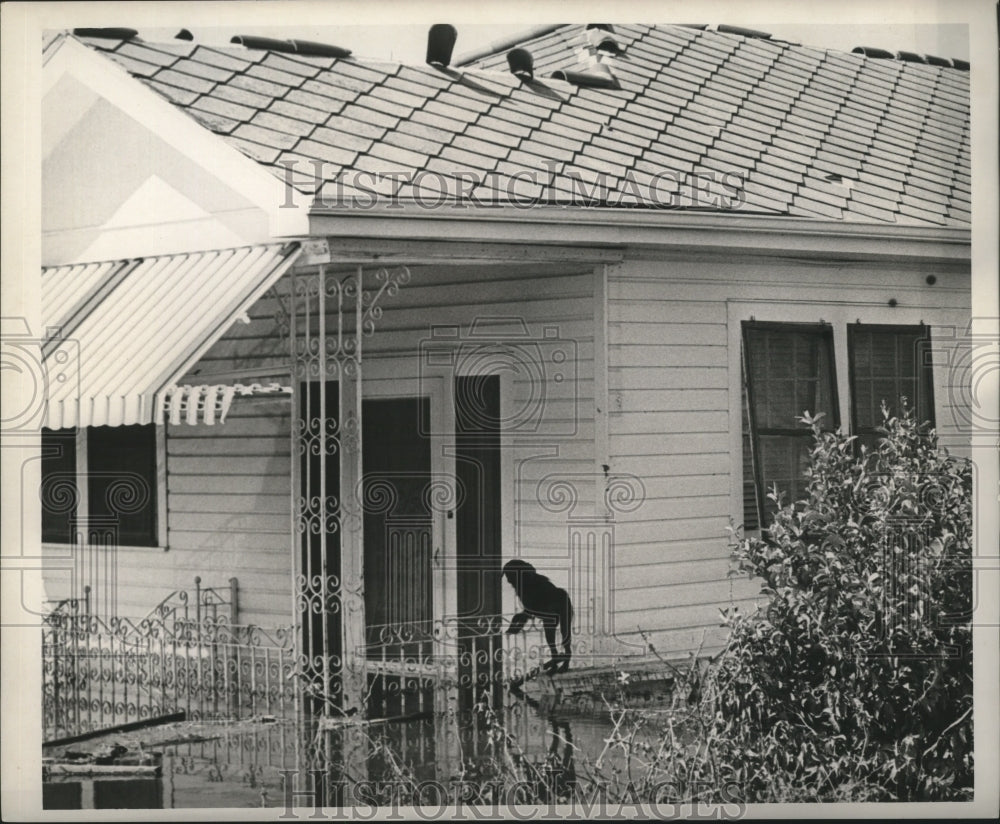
(854, 682)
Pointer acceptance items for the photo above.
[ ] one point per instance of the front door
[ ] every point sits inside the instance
(399, 524)
(405, 494)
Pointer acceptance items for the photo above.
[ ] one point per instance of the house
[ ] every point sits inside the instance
(342, 336)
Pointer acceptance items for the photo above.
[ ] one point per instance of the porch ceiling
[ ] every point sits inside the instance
(120, 333)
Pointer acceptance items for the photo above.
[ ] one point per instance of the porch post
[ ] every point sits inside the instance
(353, 538)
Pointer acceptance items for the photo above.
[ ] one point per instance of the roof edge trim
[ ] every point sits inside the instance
(624, 227)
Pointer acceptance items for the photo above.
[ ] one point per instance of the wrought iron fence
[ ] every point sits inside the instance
(447, 665)
(187, 654)
(103, 672)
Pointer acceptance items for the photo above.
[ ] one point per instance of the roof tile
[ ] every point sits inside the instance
(258, 85)
(284, 124)
(928, 215)
(754, 201)
(487, 148)
(222, 59)
(551, 138)
(331, 90)
(147, 54)
(600, 165)
(326, 152)
(181, 97)
(561, 154)
(397, 155)
(185, 81)
(775, 182)
(342, 124)
(825, 191)
(278, 76)
(315, 101)
(406, 140)
(377, 117)
(735, 145)
(346, 138)
(471, 160)
(264, 154)
(816, 207)
(424, 132)
(458, 117)
(292, 66)
(466, 108)
(692, 102)
(136, 67)
(397, 97)
(235, 111)
(845, 168)
(246, 98)
(436, 121)
(216, 122)
(426, 76)
(859, 195)
(531, 160)
(205, 70)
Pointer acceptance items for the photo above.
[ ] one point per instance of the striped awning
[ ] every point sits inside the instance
(209, 403)
(121, 334)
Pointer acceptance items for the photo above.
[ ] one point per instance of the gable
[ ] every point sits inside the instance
(118, 181)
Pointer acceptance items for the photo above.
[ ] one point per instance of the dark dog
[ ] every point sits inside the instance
(543, 600)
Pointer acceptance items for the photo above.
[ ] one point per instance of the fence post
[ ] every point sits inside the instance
(234, 601)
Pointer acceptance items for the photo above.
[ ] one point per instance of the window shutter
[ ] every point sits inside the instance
(751, 512)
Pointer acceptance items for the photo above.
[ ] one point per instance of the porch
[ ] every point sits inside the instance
(401, 459)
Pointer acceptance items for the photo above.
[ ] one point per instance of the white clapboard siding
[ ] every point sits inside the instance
(669, 402)
(229, 500)
(641, 422)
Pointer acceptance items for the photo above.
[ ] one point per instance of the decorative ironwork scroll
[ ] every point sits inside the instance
(100, 671)
(329, 313)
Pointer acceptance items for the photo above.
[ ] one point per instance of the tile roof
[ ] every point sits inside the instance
(702, 119)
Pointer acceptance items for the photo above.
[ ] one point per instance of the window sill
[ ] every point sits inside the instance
(47, 545)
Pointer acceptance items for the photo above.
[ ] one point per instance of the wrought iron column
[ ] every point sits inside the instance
(328, 316)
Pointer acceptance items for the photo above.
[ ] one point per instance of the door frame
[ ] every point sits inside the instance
(393, 378)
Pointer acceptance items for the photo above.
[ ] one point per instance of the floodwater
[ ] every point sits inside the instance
(280, 763)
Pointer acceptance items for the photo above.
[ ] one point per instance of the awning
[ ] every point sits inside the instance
(120, 334)
(208, 403)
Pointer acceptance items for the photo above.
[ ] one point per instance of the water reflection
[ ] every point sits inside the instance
(395, 760)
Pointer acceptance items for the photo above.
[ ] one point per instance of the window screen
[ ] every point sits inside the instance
(788, 369)
(888, 363)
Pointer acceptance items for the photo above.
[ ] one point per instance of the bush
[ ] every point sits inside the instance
(855, 681)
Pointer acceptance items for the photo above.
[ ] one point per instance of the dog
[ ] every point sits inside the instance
(543, 600)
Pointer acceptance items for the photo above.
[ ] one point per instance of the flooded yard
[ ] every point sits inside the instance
(270, 762)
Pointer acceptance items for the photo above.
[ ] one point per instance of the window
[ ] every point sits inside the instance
(121, 481)
(120, 467)
(59, 490)
(787, 370)
(888, 363)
